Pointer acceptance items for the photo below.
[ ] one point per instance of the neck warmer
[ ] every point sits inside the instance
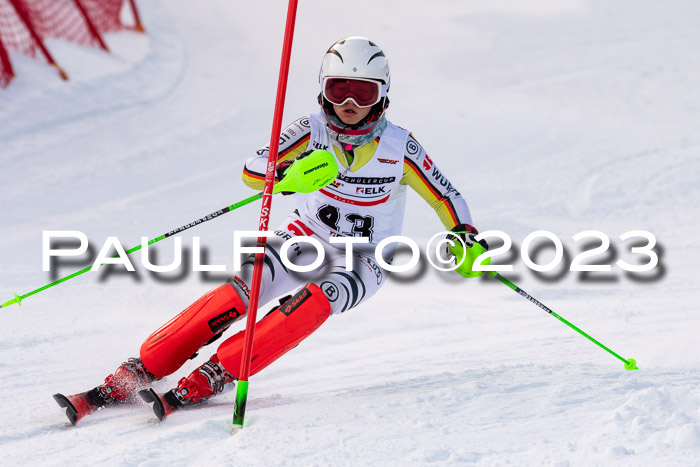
(337, 129)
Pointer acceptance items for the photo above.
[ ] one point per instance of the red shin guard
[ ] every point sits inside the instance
(278, 332)
(176, 341)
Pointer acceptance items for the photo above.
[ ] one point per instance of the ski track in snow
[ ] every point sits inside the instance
(565, 116)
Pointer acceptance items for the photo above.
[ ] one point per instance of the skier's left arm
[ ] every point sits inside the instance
(421, 174)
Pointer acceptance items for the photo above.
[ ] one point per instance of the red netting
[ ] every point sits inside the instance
(13, 33)
(59, 19)
(62, 19)
(104, 14)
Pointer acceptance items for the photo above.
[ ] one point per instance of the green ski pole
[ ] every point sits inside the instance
(309, 174)
(630, 363)
(18, 298)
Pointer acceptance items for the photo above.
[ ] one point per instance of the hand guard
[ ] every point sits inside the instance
(283, 166)
(470, 251)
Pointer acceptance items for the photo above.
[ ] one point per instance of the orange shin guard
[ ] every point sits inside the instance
(278, 332)
(179, 339)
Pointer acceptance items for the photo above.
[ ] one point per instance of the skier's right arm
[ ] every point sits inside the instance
(294, 140)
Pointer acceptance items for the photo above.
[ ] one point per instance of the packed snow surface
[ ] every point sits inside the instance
(564, 116)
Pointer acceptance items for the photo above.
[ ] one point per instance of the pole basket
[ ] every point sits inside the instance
(24, 24)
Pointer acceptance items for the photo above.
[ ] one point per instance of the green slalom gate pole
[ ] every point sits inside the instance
(304, 176)
(630, 363)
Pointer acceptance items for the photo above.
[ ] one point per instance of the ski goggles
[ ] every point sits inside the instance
(363, 92)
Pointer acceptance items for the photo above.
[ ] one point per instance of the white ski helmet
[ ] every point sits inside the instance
(355, 58)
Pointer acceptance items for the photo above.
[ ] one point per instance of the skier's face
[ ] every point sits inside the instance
(349, 113)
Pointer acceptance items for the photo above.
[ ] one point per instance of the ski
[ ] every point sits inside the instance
(159, 403)
(79, 405)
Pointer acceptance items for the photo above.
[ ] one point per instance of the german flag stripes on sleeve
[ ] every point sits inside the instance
(421, 174)
(293, 141)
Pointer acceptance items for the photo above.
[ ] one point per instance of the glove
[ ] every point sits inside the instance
(473, 249)
(282, 167)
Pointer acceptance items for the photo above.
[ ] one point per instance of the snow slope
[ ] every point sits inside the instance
(548, 115)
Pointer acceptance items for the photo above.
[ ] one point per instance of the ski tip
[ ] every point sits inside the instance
(235, 429)
(71, 411)
(150, 397)
(631, 364)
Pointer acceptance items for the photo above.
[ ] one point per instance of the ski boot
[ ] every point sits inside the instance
(203, 383)
(118, 387)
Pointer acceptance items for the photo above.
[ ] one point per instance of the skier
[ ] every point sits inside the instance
(378, 160)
